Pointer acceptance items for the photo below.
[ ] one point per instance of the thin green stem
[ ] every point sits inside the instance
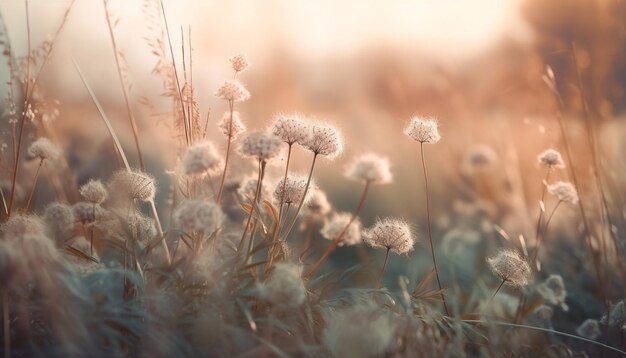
(430, 235)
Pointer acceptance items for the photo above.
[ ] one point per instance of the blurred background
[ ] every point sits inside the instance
(478, 66)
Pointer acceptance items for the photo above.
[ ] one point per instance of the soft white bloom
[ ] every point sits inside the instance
(233, 90)
(239, 62)
(261, 145)
(370, 168)
(200, 159)
(231, 127)
(292, 190)
(44, 149)
(324, 140)
(19, 226)
(60, 221)
(553, 291)
(198, 216)
(423, 130)
(133, 185)
(551, 159)
(285, 287)
(511, 267)
(93, 191)
(336, 225)
(291, 129)
(564, 191)
(391, 234)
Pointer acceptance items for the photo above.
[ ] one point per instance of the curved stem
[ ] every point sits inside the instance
(382, 271)
(337, 240)
(254, 200)
(231, 106)
(282, 197)
(306, 190)
(430, 235)
(32, 189)
(168, 258)
(494, 294)
(545, 229)
(543, 205)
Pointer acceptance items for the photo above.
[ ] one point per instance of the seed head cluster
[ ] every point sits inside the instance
(198, 216)
(371, 168)
(423, 130)
(324, 140)
(239, 62)
(564, 191)
(292, 190)
(392, 234)
(285, 287)
(44, 149)
(261, 145)
(94, 191)
(134, 185)
(511, 267)
(290, 129)
(233, 129)
(233, 90)
(336, 225)
(200, 159)
(551, 159)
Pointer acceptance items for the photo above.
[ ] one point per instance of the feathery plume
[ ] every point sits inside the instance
(370, 168)
(551, 159)
(239, 62)
(423, 130)
(134, 185)
(198, 216)
(335, 226)
(291, 191)
(60, 221)
(511, 267)
(324, 139)
(391, 234)
(290, 129)
(84, 212)
(94, 191)
(44, 149)
(564, 191)
(261, 145)
(231, 130)
(19, 226)
(233, 90)
(200, 159)
(285, 287)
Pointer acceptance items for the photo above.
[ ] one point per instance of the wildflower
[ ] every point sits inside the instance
(44, 149)
(333, 228)
(200, 159)
(479, 157)
(239, 62)
(553, 291)
(59, 220)
(261, 145)
(370, 168)
(198, 216)
(617, 316)
(19, 226)
(292, 190)
(510, 267)
(551, 159)
(362, 330)
(233, 129)
(247, 189)
(86, 212)
(291, 129)
(233, 90)
(285, 287)
(590, 328)
(134, 185)
(564, 191)
(318, 206)
(93, 191)
(390, 234)
(82, 265)
(423, 130)
(325, 140)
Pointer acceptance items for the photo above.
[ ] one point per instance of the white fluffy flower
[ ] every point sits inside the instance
(553, 291)
(511, 267)
(60, 221)
(198, 216)
(285, 287)
(370, 168)
(551, 159)
(44, 149)
(231, 128)
(291, 129)
(93, 191)
(232, 90)
(200, 159)
(564, 191)
(133, 185)
(22, 225)
(336, 225)
(423, 130)
(324, 140)
(261, 145)
(239, 62)
(390, 234)
(292, 190)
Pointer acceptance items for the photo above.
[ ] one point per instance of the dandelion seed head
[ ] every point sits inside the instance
(551, 159)
(233, 90)
(247, 189)
(423, 130)
(134, 185)
(59, 218)
(285, 287)
(292, 190)
(590, 329)
(291, 129)
(370, 168)
(93, 191)
(200, 159)
(142, 227)
(232, 130)
(317, 208)
(392, 234)
(333, 228)
(553, 291)
(261, 145)
(324, 139)
(511, 267)
(44, 149)
(20, 225)
(198, 216)
(239, 62)
(85, 212)
(564, 191)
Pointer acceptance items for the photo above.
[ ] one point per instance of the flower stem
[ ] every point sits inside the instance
(231, 106)
(32, 189)
(254, 200)
(337, 240)
(6, 323)
(382, 271)
(168, 258)
(306, 189)
(494, 294)
(542, 207)
(430, 235)
(543, 233)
